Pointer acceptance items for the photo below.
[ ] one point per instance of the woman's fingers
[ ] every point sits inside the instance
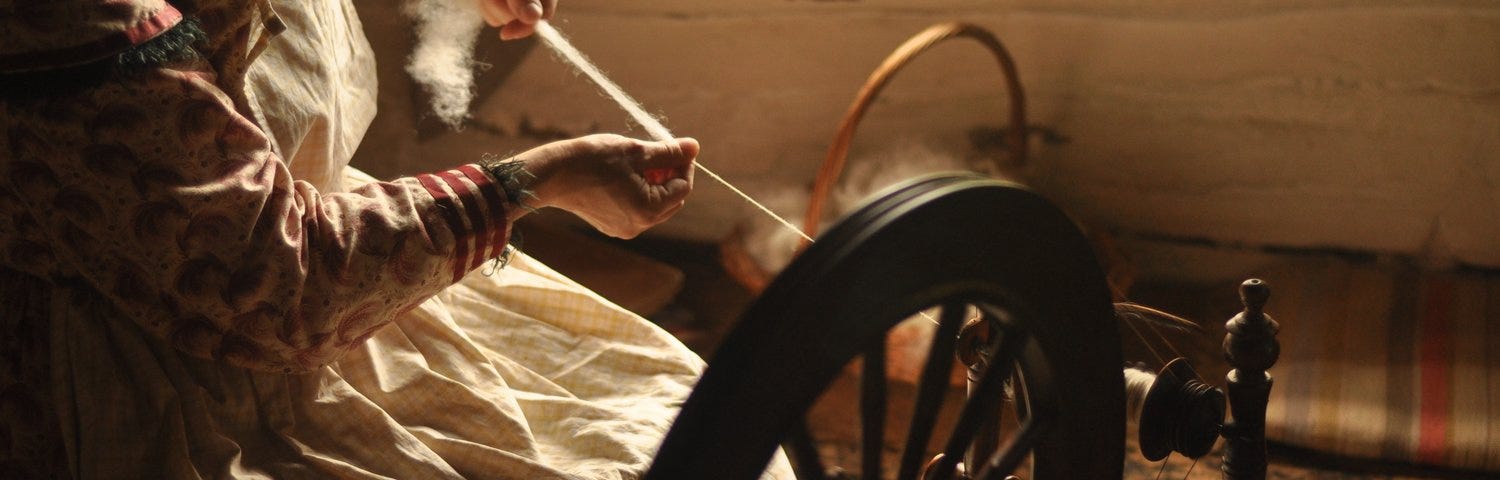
(493, 14)
(527, 11)
(683, 151)
(517, 29)
(688, 148)
(516, 18)
(676, 154)
(691, 149)
(668, 166)
(664, 161)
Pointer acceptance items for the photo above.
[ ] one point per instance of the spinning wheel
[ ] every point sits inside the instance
(947, 241)
(952, 242)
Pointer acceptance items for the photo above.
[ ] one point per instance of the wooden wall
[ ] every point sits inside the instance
(1370, 125)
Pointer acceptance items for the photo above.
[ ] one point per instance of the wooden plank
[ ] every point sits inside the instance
(1305, 124)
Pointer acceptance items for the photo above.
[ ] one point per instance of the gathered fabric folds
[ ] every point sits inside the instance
(523, 374)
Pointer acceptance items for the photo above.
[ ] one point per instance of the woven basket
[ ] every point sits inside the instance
(733, 255)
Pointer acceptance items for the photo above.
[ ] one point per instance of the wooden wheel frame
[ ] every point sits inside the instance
(744, 269)
(948, 240)
(838, 152)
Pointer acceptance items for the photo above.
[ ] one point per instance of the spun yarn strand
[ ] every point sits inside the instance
(565, 49)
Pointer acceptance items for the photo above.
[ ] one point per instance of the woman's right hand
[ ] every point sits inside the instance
(516, 18)
(621, 186)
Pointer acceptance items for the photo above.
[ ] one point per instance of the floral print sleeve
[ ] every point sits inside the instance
(158, 194)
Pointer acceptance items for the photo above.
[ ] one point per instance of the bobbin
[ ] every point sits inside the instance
(1180, 414)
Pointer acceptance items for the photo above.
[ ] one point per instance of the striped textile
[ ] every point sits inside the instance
(1388, 363)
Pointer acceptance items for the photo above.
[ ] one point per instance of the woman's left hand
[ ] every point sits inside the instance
(621, 186)
(516, 18)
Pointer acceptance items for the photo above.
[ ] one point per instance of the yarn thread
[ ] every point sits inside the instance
(560, 45)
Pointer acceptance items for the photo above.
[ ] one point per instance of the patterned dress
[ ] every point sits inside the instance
(193, 284)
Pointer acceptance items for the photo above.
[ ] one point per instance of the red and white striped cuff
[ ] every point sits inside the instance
(474, 208)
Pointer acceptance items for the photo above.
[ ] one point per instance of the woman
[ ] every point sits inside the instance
(194, 285)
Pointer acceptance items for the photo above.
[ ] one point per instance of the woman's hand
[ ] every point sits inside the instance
(621, 186)
(516, 18)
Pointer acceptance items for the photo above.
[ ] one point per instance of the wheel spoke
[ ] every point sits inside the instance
(932, 386)
(984, 401)
(1023, 401)
(1005, 460)
(803, 453)
(872, 407)
(987, 438)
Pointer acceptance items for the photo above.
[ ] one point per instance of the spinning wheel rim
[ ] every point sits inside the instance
(1050, 279)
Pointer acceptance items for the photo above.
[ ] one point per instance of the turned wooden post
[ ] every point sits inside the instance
(1251, 348)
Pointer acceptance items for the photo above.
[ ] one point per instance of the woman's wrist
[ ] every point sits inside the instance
(516, 182)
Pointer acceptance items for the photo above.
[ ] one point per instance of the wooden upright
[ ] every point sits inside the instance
(1252, 348)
